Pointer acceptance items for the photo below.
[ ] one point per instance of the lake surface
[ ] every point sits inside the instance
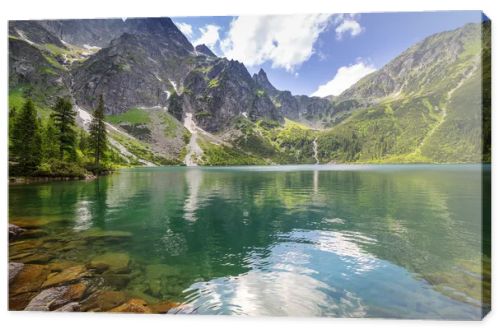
(341, 241)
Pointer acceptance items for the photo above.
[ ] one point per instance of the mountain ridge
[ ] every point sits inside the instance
(148, 67)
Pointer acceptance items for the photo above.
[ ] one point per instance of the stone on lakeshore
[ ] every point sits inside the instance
(103, 301)
(163, 307)
(15, 231)
(66, 276)
(115, 262)
(76, 291)
(56, 297)
(20, 301)
(14, 269)
(134, 305)
(71, 307)
(29, 279)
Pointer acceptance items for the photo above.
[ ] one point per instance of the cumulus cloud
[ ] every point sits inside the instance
(185, 28)
(347, 24)
(345, 77)
(209, 36)
(285, 41)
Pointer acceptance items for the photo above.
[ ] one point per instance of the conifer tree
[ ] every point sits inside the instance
(64, 121)
(26, 150)
(98, 140)
(50, 140)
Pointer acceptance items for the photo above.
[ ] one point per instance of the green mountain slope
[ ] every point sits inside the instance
(425, 106)
(167, 100)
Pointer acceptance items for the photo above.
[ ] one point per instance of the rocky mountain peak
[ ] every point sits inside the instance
(203, 49)
(261, 79)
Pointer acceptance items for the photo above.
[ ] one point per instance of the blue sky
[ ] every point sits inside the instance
(318, 54)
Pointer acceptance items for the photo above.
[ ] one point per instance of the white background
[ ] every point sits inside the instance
(24, 322)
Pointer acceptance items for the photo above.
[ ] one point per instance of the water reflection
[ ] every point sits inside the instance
(381, 241)
(194, 178)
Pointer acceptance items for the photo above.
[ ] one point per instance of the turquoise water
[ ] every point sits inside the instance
(343, 241)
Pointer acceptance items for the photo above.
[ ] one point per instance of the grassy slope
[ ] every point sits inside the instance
(132, 116)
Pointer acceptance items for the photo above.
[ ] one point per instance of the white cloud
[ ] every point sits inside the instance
(209, 36)
(185, 28)
(345, 77)
(347, 24)
(285, 41)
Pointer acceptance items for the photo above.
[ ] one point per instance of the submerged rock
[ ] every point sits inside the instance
(32, 233)
(29, 223)
(94, 234)
(29, 279)
(35, 258)
(134, 305)
(58, 266)
(14, 269)
(118, 281)
(66, 276)
(115, 262)
(103, 301)
(15, 231)
(56, 297)
(162, 281)
(25, 245)
(71, 307)
(163, 307)
(20, 301)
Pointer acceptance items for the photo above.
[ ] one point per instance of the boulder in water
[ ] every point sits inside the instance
(112, 261)
(66, 276)
(133, 306)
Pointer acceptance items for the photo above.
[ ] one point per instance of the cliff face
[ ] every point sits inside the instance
(314, 111)
(219, 90)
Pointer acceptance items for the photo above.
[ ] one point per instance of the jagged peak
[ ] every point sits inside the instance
(203, 49)
(261, 79)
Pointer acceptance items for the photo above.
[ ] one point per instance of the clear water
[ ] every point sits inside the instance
(342, 241)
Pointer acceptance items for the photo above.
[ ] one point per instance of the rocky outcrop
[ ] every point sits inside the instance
(134, 305)
(33, 32)
(310, 110)
(100, 32)
(217, 92)
(36, 72)
(15, 231)
(204, 50)
(135, 70)
(56, 298)
(68, 275)
(14, 269)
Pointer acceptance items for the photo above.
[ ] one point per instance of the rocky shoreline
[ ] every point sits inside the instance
(39, 179)
(39, 281)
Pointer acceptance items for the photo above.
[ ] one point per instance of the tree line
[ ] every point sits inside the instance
(56, 146)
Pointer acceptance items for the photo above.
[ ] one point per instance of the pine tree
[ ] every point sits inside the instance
(83, 141)
(26, 149)
(50, 142)
(98, 140)
(64, 120)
